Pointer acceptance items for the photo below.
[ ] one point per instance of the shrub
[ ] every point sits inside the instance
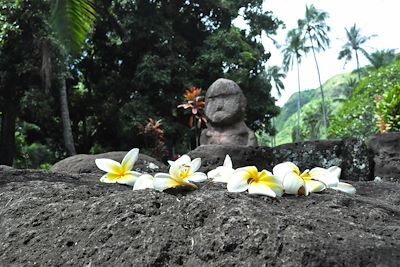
(358, 116)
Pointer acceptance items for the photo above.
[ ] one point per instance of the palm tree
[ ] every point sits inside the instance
(351, 83)
(71, 20)
(381, 58)
(315, 30)
(292, 53)
(355, 41)
(275, 76)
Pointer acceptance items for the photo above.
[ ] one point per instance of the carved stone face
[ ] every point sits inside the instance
(223, 108)
(225, 103)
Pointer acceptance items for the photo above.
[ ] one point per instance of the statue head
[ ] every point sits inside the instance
(225, 103)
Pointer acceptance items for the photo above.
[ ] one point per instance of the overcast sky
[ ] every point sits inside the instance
(380, 17)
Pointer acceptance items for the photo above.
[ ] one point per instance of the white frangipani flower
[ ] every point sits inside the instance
(314, 180)
(181, 173)
(260, 183)
(143, 182)
(222, 174)
(119, 172)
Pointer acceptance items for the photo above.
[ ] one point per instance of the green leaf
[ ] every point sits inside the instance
(72, 20)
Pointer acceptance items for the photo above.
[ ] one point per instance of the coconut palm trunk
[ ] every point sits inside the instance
(298, 101)
(66, 123)
(324, 117)
(358, 65)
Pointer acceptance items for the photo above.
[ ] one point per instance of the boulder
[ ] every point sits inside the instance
(351, 155)
(213, 156)
(84, 163)
(58, 219)
(386, 150)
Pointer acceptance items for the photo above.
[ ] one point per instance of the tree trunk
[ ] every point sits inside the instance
(358, 66)
(324, 117)
(7, 133)
(66, 122)
(298, 103)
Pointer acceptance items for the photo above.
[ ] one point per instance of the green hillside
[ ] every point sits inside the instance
(335, 90)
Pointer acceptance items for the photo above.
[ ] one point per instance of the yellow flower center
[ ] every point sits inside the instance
(119, 175)
(255, 177)
(184, 172)
(306, 175)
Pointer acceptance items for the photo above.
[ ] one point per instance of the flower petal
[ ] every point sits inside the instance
(271, 182)
(292, 183)
(130, 159)
(128, 179)
(221, 174)
(238, 181)
(109, 165)
(183, 160)
(228, 162)
(313, 186)
(345, 187)
(164, 181)
(175, 170)
(197, 177)
(213, 173)
(259, 188)
(195, 164)
(282, 169)
(330, 177)
(144, 181)
(109, 178)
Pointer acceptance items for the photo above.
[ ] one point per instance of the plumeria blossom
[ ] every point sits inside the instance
(260, 183)
(314, 180)
(330, 178)
(182, 173)
(222, 173)
(120, 173)
(143, 182)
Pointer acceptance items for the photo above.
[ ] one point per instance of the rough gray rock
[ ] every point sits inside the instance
(213, 156)
(225, 111)
(351, 155)
(386, 150)
(54, 219)
(83, 163)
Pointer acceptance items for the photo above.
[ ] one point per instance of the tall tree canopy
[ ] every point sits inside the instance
(137, 64)
(293, 51)
(355, 43)
(144, 54)
(315, 31)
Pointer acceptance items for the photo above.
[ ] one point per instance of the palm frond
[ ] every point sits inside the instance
(72, 20)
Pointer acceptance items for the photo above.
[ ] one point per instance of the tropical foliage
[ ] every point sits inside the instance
(358, 116)
(336, 90)
(388, 110)
(292, 53)
(138, 61)
(355, 43)
(73, 20)
(315, 32)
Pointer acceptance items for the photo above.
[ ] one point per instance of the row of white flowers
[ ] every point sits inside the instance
(285, 178)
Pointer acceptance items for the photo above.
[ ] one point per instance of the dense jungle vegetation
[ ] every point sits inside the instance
(85, 76)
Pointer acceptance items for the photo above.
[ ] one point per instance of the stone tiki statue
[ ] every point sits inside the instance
(225, 111)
